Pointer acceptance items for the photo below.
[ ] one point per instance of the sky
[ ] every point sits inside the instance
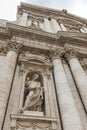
(8, 8)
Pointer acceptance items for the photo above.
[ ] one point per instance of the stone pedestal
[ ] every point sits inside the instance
(23, 122)
(6, 77)
(33, 113)
(69, 113)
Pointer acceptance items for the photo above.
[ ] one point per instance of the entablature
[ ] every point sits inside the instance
(38, 39)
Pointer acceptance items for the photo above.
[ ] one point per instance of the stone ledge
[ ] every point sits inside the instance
(28, 117)
(27, 122)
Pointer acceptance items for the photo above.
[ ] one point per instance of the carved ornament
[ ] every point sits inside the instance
(3, 49)
(14, 46)
(56, 54)
(23, 122)
(70, 53)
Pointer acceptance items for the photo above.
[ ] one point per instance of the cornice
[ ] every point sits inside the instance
(78, 39)
(61, 38)
(13, 28)
(49, 12)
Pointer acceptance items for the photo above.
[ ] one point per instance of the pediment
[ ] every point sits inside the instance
(33, 58)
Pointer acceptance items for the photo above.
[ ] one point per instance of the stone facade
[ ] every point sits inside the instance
(43, 61)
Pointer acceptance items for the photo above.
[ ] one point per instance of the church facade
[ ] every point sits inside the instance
(43, 69)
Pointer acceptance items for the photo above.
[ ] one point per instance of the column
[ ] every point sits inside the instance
(79, 75)
(55, 25)
(6, 77)
(63, 27)
(23, 20)
(69, 113)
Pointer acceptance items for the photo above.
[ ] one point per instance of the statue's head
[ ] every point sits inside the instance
(35, 77)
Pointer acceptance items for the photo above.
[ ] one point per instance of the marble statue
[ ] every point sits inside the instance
(34, 98)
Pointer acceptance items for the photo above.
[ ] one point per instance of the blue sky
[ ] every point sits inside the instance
(8, 8)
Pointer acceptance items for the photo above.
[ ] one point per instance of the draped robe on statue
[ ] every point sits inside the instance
(35, 96)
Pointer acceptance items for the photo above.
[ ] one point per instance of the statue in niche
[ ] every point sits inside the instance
(34, 98)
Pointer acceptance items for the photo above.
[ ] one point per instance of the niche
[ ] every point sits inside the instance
(33, 93)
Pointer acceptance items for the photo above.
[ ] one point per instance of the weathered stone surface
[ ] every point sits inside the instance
(6, 74)
(25, 45)
(80, 76)
(69, 113)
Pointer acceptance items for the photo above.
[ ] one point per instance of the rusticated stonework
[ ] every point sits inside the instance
(43, 75)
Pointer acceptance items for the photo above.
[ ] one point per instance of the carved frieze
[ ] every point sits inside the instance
(32, 123)
(34, 42)
(33, 126)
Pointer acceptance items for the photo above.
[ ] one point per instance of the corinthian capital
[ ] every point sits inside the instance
(14, 46)
(3, 49)
(56, 54)
(70, 53)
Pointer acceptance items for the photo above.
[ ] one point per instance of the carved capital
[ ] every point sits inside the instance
(56, 54)
(3, 49)
(14, 46)
(69, 54)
